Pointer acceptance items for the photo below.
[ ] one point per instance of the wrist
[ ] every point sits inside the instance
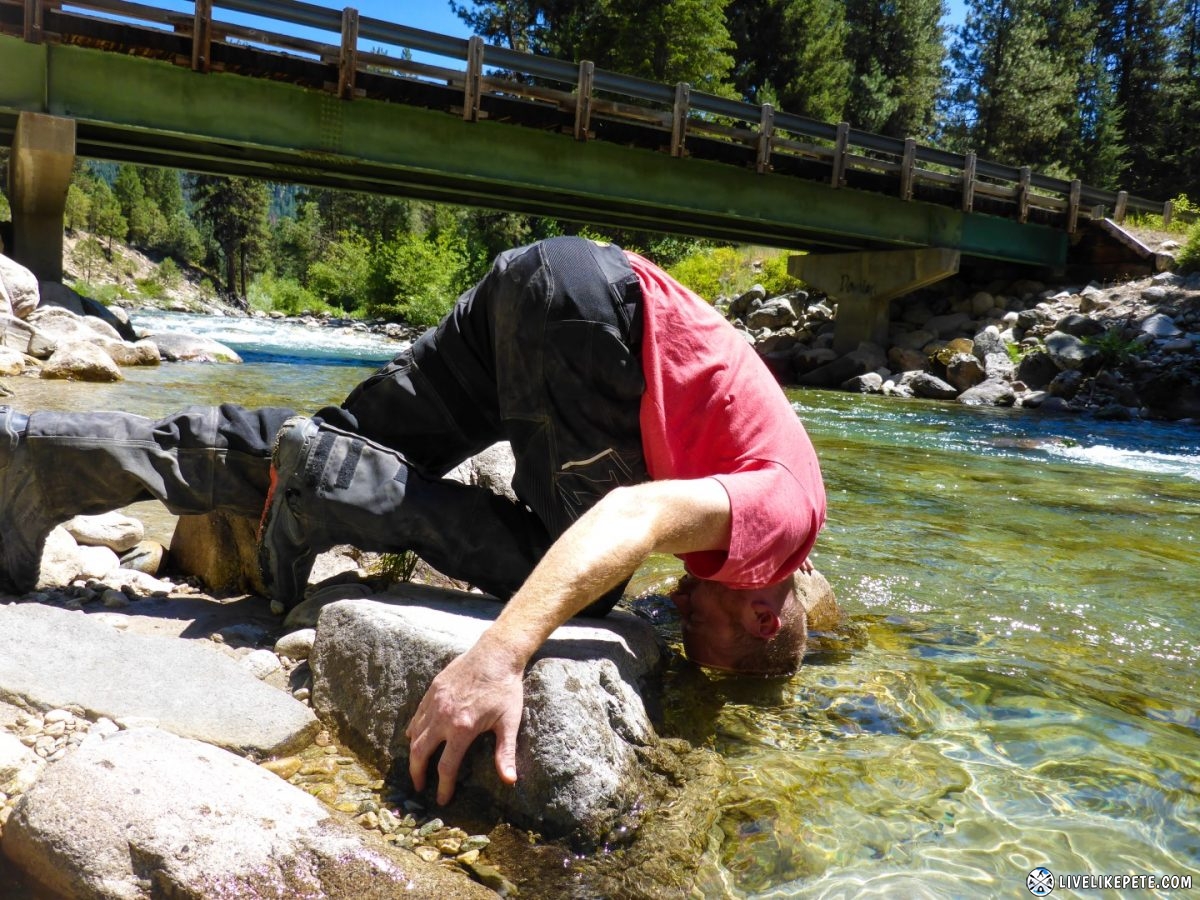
(504, 651)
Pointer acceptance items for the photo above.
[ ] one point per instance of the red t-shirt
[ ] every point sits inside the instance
(712, 408)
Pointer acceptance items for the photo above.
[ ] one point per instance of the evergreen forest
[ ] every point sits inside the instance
(1107, 91)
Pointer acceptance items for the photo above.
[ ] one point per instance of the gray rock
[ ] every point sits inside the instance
(806, 359)
(774, 313)
(80, 361)
(742, 304)
(19, 766)
(192, 348)
(114, 530)
(1069, 352)
(981, 303)
(492, 468)
(870, 383)
(15, 333)
(144, 813)
(96, 563)
(60, 559)
(989, 393)
(964, 371)
(999, 366)
(1160, 326)
(914, 340)
(296, 645)
(1079, 325)
(932, 388)
(988, 341)
(12, 362)
(948, 326)
(902, 359)
(1036, 369)
(50, 658)
(54, 294)
(584, 727)
(1065, 384)
(146, 557)
(20, 287)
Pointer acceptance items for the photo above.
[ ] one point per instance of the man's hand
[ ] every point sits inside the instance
(482, 690)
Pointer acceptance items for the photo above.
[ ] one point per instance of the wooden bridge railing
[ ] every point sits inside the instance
(773, 139)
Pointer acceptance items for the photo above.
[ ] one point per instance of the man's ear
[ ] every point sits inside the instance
(761, 619)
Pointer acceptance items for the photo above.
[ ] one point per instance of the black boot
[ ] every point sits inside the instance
(57, 465)
(330, 487)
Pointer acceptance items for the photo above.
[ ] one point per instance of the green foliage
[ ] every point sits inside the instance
(1114, 348)
(235, 209)
(1189, 255)
(663, 40)
(342, 276)
(79, 208)
(108, 294)
(896, 50)
(5, 209)
(169, 274)
(791, 53)
(398, 566)
(88, 256)
(269, 293)
(417, 278)
(727, 271)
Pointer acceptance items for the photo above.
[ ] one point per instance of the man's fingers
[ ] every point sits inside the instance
(447, 770)
(506, 748)
(418, 756)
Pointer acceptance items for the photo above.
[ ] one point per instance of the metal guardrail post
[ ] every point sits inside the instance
(33, 21)
(1023, 180)
(968, 181)
(1168, 213)
(766, 136)
(583, 99)
(1119, 209)
(908, 165)
(683, 94)
(473, 85)
(838, 176)
(1073, 205)
(202, 37)
(348, 58)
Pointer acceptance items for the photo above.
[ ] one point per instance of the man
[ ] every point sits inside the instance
(640, 422)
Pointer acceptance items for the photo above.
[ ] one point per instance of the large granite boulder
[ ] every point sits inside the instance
(144, 813)
(585, 735)
(19, 287)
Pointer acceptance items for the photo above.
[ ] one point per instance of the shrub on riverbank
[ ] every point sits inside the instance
(1189, 255)
(728, 271)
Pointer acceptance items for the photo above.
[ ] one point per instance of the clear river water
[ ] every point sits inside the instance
(1015, 686)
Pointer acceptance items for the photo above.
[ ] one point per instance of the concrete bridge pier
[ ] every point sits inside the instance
(864, 285)
(39, 173)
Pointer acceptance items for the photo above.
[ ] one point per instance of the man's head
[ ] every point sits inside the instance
(759, 632)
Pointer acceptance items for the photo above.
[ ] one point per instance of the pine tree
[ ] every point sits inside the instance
(236, 211)
(1135, 38)
(1017, 68)
(791, 53)
(663, 40)
(896, 49)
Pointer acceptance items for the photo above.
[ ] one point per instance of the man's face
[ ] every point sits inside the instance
(710, 618)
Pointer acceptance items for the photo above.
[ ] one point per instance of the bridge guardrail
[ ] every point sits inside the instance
(771, 140)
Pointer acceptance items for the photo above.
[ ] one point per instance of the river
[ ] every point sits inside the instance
(1015, 687)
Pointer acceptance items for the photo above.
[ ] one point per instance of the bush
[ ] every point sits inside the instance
(1188, 257)
(343, 273)
(417, 278)
(728, 271)
(5, 211)
(270, 293)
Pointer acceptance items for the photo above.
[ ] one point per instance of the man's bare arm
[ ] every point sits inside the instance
(482, 689)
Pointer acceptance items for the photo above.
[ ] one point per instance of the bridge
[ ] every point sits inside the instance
(487, 126)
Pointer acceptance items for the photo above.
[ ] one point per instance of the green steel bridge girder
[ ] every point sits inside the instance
(151, 112)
